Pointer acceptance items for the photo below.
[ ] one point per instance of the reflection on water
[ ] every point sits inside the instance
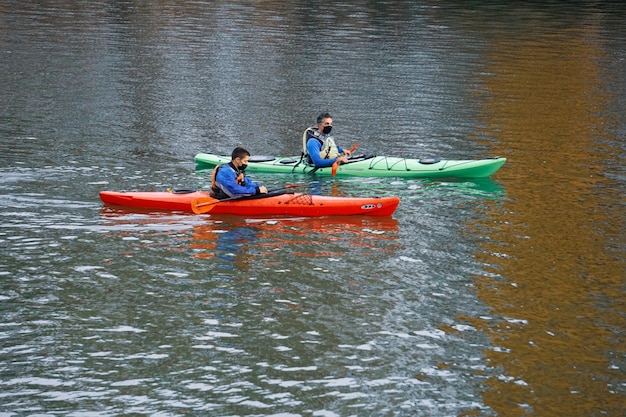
(240, 243)
(551, 274)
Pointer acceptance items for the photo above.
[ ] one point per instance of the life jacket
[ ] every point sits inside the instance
(329, 148)
(216, 191)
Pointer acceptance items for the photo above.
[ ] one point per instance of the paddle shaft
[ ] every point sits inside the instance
(336, 163)
(197, 204)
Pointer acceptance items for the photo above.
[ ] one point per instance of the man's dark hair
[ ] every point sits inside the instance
(239, 152)
(322, 116)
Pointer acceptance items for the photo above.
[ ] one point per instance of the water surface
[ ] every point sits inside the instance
(502, 296)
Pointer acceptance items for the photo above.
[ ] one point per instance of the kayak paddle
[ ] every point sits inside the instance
(336, 163)
(205, 204)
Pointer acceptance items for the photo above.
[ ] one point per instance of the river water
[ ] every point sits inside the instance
(494, 297)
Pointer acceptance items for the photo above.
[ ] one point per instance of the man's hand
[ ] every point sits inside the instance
(263, 189)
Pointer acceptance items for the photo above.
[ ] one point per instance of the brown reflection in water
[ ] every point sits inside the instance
(555, 286)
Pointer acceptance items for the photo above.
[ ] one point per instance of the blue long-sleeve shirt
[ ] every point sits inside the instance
(314, 147)
(226, 181)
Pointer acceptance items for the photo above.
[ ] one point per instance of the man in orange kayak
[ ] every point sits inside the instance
(229, 180)
(320, 147)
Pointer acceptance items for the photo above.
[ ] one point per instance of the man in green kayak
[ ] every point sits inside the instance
(229, 180)
(319, 146)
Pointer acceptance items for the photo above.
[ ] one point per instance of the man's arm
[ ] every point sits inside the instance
(227, 181)
(313, 147)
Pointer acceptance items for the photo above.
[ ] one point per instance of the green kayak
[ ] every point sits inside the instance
(365, 166)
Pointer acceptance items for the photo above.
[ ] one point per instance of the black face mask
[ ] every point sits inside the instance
(327, 130)
(243, 167)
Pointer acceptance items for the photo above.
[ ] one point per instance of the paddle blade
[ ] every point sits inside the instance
(334, 168)
(203, 205)
(353, 148)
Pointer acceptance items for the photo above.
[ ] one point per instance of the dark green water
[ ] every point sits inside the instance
(499, 297)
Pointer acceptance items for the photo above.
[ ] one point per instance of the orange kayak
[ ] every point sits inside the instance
(295, 204)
